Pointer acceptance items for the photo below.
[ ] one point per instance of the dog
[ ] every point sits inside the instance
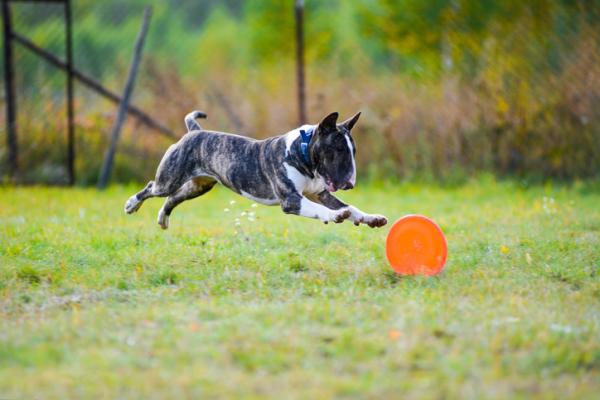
(298, 170)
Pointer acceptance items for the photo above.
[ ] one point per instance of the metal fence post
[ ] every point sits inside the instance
(11, 103)
(70, 105)
(299, 16)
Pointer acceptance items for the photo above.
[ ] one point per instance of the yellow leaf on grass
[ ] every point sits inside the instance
(394, 334)
(504, 249)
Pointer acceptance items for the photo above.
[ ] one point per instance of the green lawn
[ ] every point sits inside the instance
(95, 303)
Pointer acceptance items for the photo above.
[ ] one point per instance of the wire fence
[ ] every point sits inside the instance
(39, 90)
(40, 86)
(463, 90)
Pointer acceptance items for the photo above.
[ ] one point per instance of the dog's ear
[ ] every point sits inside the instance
(349, 123)
(328, 123)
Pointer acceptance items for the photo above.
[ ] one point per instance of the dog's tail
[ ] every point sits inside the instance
(190, 120)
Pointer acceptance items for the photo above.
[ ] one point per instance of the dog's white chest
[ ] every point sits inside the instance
(304, 184)
(314, 186)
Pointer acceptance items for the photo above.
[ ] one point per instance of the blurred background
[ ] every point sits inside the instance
(448, 88)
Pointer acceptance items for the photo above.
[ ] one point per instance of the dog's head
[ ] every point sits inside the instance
(333, 152)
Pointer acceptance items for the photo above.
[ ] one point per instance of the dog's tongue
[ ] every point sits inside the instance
(330, 187)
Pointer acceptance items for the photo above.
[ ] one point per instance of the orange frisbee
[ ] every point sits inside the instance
(416, 245)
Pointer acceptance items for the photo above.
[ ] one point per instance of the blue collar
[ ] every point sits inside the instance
(305, 137)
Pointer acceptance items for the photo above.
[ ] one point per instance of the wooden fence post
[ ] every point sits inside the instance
(122, 112)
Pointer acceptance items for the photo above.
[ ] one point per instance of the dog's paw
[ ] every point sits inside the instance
(341, 215)
(163, 219)
(373, 220)
(338, 216)
(376, 221)
(132, 205)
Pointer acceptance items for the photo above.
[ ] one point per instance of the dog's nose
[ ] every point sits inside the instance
(347, 186)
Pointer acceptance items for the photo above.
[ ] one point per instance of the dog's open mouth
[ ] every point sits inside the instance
(329, 185)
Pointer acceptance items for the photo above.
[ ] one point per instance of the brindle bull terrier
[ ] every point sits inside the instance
(298, 170)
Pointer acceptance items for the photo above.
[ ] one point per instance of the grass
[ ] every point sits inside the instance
(94, 303)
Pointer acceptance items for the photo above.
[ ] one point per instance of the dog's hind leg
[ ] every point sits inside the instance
(190, 120)
(191, 189)
(173, 171)
(152, 189)
(135, 202)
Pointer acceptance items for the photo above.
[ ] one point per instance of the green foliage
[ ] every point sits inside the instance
(163, 278)
(95, 303)
(447, 87)
(29, 275)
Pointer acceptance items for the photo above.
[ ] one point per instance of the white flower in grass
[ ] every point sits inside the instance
(254, 205)
(237, 222)
(549, 205)
(232, 202)
(226, 209)
(243, 213)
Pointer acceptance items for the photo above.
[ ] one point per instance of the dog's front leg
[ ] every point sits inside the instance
(299, 205)
(356, 215)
